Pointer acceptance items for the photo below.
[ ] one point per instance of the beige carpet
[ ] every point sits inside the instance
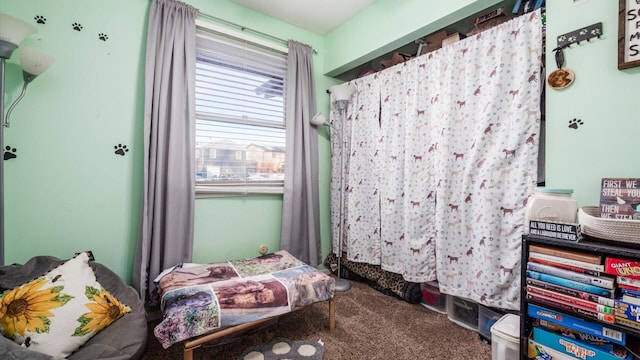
(369, 325)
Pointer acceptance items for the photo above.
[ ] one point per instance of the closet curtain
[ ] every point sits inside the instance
(437, 184)
(166, 227)
(300, 233)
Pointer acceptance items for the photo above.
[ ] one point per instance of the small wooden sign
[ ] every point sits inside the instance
(619, 198)
(555, 230)
(628, 34)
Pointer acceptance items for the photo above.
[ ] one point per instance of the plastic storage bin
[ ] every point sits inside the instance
(505, 338)
(486, 318)
(432, 298)
(463, 312)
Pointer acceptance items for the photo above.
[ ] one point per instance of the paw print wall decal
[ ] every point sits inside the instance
(575, 123)
(121, 149)
(40, 19)
(9, 153)
(76, 26)
(103, 37)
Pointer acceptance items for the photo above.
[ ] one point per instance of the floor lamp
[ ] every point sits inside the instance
(12, 32)
(341, 94)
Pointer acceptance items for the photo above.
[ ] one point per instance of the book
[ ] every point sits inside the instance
(628, 282)
(630, 299)
(567, 254)
(587, 338)
(565, 266)
(622, 267)
(626, 322)
(631, 292)
(571, 300)
(570, 283)
(571, 292)
(628, 311)
(602, 281)
(537, 351)
(581, 264)
(573, 309)
(577, 348)
(575, 323)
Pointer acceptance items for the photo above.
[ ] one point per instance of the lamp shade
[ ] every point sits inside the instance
(318, 120)
(342, 92)
(33, 61)
(14, 30)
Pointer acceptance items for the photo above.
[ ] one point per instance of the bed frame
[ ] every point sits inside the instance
(192, 344)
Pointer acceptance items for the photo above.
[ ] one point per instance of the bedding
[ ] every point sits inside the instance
(201, 299)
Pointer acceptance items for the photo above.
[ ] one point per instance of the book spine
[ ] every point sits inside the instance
(571, 275)
(628, 311)
(570, 283)
(634, 293)
(594, 315)
(571, 292)
(588, 305)
(623, 280)
(630, 299)
(621, 267)
(626, 322)
(566, 254)
(580, 264)
(589, 339)
(576, 348)
(565, 266)
(572, 322)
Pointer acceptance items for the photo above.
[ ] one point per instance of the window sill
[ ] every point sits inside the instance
(210, 191)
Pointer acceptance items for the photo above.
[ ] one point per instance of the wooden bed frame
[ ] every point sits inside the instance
(192, 344)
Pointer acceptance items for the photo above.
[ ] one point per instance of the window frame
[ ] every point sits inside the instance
(237, 188)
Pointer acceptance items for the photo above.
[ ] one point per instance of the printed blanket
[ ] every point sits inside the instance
(199, 299)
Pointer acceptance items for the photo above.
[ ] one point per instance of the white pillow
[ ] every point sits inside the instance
(58, 312)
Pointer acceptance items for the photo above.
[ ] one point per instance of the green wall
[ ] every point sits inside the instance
(387, 25)
(67, 191)
(604, 98)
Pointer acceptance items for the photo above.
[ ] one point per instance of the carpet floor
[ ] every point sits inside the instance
(369, 325)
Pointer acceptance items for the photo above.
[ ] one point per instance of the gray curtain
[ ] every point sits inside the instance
(300, 206)
(166, 230)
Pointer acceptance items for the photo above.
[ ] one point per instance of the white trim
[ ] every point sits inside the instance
(240, 35)
(204, 191)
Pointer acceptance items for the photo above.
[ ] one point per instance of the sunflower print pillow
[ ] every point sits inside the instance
(58, 312)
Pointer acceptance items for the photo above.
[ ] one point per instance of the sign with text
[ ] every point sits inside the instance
(555, 230)
(619, 198)
(629, 34)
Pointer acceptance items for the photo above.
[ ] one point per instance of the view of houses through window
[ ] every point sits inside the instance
(240, 128)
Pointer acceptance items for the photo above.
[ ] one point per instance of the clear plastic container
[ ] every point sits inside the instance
(549, 204)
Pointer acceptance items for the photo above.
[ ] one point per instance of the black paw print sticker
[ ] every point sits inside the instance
(121, 149)
(40, 19)
(76, 27)
(10, 153)
(575, 123)
(103, 37)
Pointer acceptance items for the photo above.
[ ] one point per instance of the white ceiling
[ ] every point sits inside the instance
(318, 16)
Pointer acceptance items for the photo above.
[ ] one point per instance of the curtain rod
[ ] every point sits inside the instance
(244, 28)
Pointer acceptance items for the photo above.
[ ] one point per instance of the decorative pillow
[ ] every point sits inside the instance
(58, 312)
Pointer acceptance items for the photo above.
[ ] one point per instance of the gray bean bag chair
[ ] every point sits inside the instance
(124, 339)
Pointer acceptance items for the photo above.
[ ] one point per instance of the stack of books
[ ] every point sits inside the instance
(568, 287)
(627, 304)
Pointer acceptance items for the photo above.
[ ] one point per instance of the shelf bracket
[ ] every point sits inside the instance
(577, 36)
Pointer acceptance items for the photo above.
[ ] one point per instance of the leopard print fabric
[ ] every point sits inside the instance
(381, 280)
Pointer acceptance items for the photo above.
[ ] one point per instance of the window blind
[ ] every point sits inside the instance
(240, 125)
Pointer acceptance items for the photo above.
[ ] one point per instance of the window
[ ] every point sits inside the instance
(239, 115)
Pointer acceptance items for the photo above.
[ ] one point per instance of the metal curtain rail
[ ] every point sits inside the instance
(244, 28)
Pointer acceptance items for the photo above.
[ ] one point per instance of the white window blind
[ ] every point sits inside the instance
(240, 125)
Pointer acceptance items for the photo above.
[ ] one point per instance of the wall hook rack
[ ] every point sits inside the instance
(577, 36)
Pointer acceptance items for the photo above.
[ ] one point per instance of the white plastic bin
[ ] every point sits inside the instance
(505, 338)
